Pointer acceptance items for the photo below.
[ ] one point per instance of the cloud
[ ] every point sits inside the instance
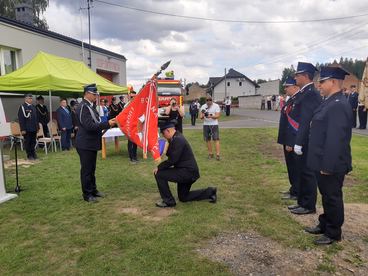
(200, 49)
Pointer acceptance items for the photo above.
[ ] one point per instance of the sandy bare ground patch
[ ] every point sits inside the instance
(155, 215)
(21, 162)
(252, 254)
(354, 255)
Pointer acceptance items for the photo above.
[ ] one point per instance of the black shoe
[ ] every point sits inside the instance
(292, 207)
(324, 240)
(289, 197)
(98, 194)
(218, 157)
(302, 211)
(133, 161)
(210, 156)
(91, 199)
(313, 230)
(213, 197)
(163, 204)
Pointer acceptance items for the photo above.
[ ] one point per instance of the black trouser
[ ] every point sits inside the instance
(193, 117)
(354, 123)
(308, 184)
(268, 105)
(227, 110)
(184, 179)
(87, 172)
(45, 130)
(132, 150)
(66, 139)
(292, 163)
(362, 117)
(330, 187)
(30, 143)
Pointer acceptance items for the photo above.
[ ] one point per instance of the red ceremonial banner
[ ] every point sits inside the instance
(139, 120)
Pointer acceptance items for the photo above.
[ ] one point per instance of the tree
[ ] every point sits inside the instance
(259, 81)
(287, 72)
(7, 9)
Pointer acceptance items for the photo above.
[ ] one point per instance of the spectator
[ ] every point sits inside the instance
(353, 101)
(193, 110)
(210, 112)
(273, 99)
(263, 103)
(121, 103)
(175, 112)
(363, 104)
(104, 111)
(227, 105)
(269, 102)
(73, 108)
(65, 122)
(43, 115)
(113, 109)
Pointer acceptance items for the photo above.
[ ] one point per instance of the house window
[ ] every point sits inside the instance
(228, 83)
(8, 61)
(240, 83)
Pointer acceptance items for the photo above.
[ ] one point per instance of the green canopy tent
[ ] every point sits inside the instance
(50, 74)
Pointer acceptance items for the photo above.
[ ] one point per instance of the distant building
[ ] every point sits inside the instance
(196, 91)
(236, 83)
(269, 88)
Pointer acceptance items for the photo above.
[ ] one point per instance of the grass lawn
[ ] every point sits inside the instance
(50, 230)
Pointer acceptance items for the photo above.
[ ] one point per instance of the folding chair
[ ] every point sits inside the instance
(15, 131)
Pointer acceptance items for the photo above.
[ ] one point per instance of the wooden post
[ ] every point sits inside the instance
(117, 145)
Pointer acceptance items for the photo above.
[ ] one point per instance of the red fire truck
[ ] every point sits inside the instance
(167, 89)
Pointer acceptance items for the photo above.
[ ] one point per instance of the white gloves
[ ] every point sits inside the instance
(298, 150)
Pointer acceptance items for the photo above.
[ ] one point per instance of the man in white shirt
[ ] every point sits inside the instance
(227, 105)
(210, 112)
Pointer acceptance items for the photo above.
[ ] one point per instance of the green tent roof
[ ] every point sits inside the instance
(46, 72)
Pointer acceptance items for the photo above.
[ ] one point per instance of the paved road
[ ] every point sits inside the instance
(255, 119)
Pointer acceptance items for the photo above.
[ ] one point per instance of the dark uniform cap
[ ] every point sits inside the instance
(28, 95)
(332, 73)
(91, 88)
(305, 67)
(39, 98)
(290, 81)
(166, 125)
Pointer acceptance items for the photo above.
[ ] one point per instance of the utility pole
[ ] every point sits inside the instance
(89, 33)
(225, 85)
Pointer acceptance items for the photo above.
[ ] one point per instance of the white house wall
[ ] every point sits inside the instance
(234, 90)
(28, 43)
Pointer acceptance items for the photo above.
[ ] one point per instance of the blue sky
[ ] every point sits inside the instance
(200, 49)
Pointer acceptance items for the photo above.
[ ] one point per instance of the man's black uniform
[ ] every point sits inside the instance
(88, 142)
(180, 167)
(288, 127)
(329, 151)
(353, 101)
(304, 106)
(28, 121)
(114, 110)
(43, 118)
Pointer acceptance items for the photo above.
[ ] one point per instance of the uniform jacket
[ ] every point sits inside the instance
(64, 118)
(289, 122)
(89, 127)
(353, 100)
(180, 155)
(27, 117)
(305, 105)
(42, 114)
(114, 110)
(121, 106)
(330, 135)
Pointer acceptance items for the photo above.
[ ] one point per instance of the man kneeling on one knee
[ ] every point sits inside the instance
(181, 168)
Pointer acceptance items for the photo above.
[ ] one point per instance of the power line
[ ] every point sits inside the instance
(230, 20)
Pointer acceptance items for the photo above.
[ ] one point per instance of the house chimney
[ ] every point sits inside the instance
(24, 12)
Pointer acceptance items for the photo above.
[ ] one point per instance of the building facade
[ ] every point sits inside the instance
(233, 84)
(20, 42)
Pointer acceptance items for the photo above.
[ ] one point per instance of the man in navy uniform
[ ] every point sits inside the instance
(28, 122)
(288, 127)
(305, 105)
(180, 167)
(353, 101)
(88, 141)
(330, 154)
(43, 115)
(65, 121)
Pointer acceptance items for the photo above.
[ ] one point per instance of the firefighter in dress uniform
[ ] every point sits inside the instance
(329, 153)
(88, 141)
(288, 127)
(305, 105)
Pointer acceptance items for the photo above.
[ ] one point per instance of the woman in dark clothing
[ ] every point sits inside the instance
(176, 112)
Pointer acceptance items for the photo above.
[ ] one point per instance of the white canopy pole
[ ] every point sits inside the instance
(50, 130)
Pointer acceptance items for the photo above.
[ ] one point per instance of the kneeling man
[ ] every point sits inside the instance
(180, 167)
